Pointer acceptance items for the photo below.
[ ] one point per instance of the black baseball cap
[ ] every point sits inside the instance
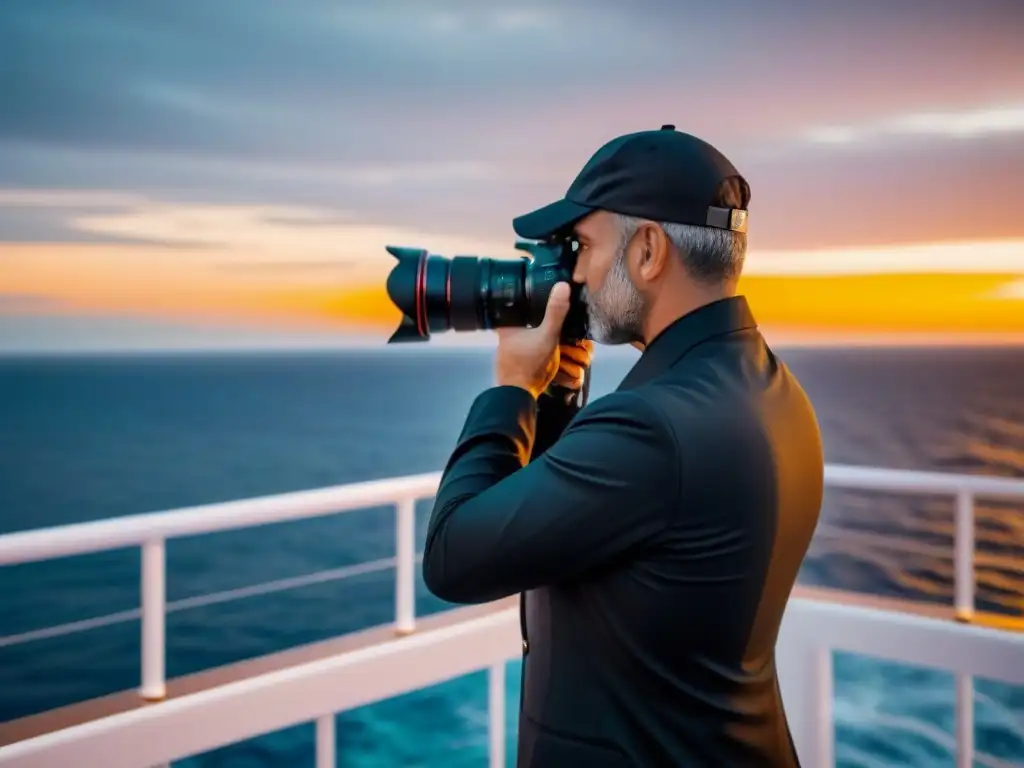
(664, 175)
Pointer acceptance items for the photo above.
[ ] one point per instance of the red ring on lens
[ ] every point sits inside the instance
(421, 290)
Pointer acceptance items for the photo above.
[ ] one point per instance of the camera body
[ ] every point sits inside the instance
(473, 293)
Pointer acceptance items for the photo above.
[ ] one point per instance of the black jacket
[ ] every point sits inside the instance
(656, 540)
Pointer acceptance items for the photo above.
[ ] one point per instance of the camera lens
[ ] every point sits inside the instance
(474, 293)
(466, 293)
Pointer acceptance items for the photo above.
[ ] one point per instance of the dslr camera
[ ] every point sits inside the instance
(476, 293)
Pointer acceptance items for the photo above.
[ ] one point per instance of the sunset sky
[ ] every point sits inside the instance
(195, 173)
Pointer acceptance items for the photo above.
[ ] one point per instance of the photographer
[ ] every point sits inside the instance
(655, 533)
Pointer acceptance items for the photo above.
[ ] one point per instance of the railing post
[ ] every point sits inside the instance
(964, 723)
(405, 567)
(325, 742)
(805, 678)
(153, 612)
(825, 738)
(963, 558)
(963, 605)
(496, 715)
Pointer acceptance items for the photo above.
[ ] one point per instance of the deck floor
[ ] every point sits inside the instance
(124, 701)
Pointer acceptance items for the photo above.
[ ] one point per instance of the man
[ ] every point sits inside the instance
(657, 532)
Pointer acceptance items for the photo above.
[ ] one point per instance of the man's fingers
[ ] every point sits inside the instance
(556, 310)
(577, 355)
(571, 369)
(583, 348)
(563, 379)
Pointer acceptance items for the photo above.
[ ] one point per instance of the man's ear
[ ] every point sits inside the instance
(655, 250)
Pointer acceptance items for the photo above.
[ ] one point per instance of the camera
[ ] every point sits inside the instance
(475, 293)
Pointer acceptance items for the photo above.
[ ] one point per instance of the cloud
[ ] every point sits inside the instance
(970, 257)
(807, 198)
(313, 79)
(67, 198)
(324, 240)
(401, 80)
(964, 124)
(269, 244)
(903, 193)
(290, 266)
(260, 235)
(1013, 290)
(454, 116)
(28, 303)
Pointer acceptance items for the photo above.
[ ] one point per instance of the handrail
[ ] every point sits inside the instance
(151, 530)
(918, 481)
(135, 530)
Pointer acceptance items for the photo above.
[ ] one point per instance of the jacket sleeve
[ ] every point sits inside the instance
(502, 524)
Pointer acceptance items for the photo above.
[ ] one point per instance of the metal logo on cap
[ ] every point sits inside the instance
(738, 220)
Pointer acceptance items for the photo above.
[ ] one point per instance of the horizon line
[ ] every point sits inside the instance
(787, 341)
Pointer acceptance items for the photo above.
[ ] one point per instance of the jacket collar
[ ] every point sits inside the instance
(674, 342)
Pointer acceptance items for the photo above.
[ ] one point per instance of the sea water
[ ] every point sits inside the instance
(90, 437)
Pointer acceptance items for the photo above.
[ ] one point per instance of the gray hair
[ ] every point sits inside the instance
(710, 255)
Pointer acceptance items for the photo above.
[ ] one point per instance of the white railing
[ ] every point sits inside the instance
(963, 488)
(814, 629)
(150, 532)
(188, 725)
(250, 707)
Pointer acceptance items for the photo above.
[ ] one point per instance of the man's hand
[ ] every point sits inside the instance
(530, 358)
(573, 361)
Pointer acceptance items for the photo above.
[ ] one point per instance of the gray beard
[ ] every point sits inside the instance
(615, 313)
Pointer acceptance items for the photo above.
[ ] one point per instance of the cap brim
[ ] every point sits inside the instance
(546, 221)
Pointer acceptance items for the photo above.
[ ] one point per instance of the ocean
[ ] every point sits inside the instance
(90, 437)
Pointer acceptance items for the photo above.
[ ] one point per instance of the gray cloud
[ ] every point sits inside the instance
(459, 114)
(383, 80)
(290, 267)
(820, 196)
(57, 225)
(301, 79)
(917, 190)
(17, 303)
